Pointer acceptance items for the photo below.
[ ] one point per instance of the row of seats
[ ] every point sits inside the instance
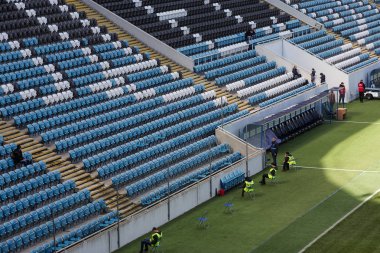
(8, 164)
(42, 214)
(152, 151)
(47, 229)
(232, 179)
(105, 128)
(19, 175)
(174, 170)
(35, 200)
(189, 178)
(169, 158)
(15, 191)
(142, 130)
(122, 164)
(75, 235)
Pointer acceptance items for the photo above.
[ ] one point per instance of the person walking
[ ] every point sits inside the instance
(153, 241)
(270, 175)
(274, 150)
(361, 89)
(312, 75)
(342, 93)
(247, 186)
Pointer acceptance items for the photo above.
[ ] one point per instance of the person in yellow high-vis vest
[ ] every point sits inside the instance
(248, 186)
(153, 241)
(270, 175)
(289, 160)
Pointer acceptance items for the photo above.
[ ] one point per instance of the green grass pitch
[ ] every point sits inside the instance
(343, 169)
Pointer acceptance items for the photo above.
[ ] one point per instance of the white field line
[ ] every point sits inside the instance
(356, 122)
(337, 169)
(309, 210)
(339, 221)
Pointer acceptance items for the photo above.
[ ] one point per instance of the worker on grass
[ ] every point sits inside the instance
(248, 186)
(153, 241)
(289, 160)
(271, 175)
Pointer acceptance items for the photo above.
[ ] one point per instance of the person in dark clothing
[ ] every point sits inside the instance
(288, 160)
(274, 150)
(153, 241)
(247, 186)
(249, 34)
(331, 98)
(270, 175)
(313, 75)
(295, 73)
(16, 155)
(342, 93)
(323, 78)
(361, 89)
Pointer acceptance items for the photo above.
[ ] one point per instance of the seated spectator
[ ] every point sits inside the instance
(153, 241)
(17, 155)
(249, 35)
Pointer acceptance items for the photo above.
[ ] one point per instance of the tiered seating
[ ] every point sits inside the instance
(185, 22)
(335, 52)
(353, 19)
(253, 78)
(102, 101)
(181, 182)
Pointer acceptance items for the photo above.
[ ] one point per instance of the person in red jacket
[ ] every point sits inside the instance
(342, 93)
(361, 89)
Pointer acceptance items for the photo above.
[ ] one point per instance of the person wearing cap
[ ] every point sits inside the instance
(153, 241)
(270, 175)
(247, 186)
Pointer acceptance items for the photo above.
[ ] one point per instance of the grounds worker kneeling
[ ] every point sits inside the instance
(153, 241)
(270, 175)
(248, 186)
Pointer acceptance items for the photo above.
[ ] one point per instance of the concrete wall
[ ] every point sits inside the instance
(143, 36)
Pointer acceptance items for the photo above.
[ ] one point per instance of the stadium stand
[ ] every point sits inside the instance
(354, 21)
(92, 98)
(185, 22)
(343, 56)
